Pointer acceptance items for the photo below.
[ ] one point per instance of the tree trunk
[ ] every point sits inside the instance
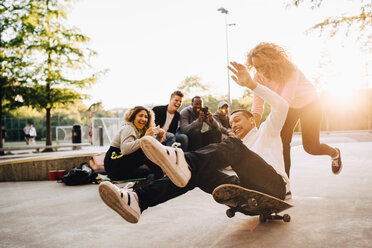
(48, 130)
(48, 108)
(1, 120)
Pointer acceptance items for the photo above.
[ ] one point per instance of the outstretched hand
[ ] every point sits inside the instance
(241, 75)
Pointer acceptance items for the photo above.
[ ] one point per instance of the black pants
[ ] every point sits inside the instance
(253, 173)
(134, 165)
(199, 139)
(310, 117)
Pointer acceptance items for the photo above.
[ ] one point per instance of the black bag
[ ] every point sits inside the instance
(80, 175)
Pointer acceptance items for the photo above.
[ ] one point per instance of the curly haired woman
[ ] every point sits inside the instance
(274, 69)
(125, 159)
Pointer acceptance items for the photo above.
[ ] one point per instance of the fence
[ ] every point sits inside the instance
(64, 134)
(110, 127)
(14, 128)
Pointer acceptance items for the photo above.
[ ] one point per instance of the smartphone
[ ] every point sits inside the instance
(205, 110)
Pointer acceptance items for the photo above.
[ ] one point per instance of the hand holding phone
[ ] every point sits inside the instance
(204, 110)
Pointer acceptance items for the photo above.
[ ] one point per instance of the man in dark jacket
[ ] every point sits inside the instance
(222, 117)
(191, 124)
(167, 117)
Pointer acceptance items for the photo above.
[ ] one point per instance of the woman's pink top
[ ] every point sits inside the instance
(297, 91)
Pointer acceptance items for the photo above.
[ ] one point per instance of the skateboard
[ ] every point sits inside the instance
(250, 202)
(102, 178)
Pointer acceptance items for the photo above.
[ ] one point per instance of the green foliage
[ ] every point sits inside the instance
(25, 112)
(14, 30)
(37, 52)
(193, 86)
(55, 50)
(49, 50)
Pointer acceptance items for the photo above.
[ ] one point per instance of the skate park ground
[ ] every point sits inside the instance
(330, 211)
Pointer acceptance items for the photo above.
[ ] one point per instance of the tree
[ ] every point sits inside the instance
(56, 50)
(15, 28)
(94, 109)
(193, 86)
(360, 23)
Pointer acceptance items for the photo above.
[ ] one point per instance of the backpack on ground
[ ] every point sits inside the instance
(80, 175)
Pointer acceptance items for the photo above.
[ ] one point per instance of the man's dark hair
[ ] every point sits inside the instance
(195, 97)
(245, 112)
(176, 93)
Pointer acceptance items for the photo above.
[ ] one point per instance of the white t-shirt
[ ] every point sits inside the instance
(167, 121)
(32, 132)
(27, 129)
(266, 140)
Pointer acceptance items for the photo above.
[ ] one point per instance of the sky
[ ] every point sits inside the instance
(150, 46)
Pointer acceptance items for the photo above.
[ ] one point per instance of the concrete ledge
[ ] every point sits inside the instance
(76, 146)
(37, 168)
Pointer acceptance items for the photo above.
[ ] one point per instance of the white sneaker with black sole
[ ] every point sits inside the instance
(170, 159)
(123, 201)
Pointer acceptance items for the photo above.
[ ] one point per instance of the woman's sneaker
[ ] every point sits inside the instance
(123, 201)
(170, 159)
(337, 163)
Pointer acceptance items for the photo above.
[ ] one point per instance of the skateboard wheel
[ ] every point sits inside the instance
(262, 218)
(252, 203)
(230, 213)
(286, 218)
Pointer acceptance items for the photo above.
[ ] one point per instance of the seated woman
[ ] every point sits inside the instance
(125, 159)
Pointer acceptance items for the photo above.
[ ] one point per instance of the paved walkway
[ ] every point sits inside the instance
(330, 211)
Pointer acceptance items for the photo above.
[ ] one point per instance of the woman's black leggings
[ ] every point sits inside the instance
(130, 166)
(310, 117)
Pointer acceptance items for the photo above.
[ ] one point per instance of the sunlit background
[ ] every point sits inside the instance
(150, 47)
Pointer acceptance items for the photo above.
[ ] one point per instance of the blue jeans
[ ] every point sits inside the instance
(181, 138)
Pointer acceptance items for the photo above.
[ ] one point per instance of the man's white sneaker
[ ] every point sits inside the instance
(170, 159)
(123, 201)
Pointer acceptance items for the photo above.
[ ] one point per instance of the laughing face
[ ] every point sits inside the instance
(175, 103)
(196, 105)
(241, 123)
(141, 119)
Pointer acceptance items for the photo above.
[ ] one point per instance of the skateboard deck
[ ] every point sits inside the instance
(250, 202)
(103, 178)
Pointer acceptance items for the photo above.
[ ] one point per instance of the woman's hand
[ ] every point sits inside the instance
(163, 139)
(157, 133)
(241, 75)
(162, 134)
(150, 131)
